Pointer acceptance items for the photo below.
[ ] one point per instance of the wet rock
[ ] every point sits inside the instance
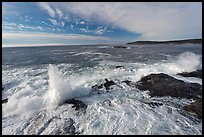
(164, 85)
(108, 83)
(155, 104)
(69, 127)
(197, 73)
(65, 128)
(195, 107)
(130, 83)
(97, 87)
(4, 100)
(127, 82)
(107, 103)
(120, 47)
(119, 67)
(77, 104)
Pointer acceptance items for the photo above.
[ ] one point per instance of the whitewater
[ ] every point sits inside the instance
(37, 80)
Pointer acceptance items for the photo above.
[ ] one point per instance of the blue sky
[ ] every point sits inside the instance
(67, 23)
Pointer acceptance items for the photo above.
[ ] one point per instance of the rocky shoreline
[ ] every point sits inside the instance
(193, 41)
(158, 85)
(164, 85)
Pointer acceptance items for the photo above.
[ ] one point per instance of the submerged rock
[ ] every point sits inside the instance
(130, 83)
(4, 100)
(195, 107)
(155, 104)
(119, 66)
(107, 85)
(97, 87)
(197, 73)
(120, 47)
(164, 85)
(67, 128)
(77, 104)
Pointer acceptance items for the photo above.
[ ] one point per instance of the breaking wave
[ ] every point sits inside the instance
(61, 89)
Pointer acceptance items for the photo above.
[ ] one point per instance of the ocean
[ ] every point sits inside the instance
(37, 79)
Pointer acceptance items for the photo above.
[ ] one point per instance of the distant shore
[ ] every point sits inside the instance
(193, 41)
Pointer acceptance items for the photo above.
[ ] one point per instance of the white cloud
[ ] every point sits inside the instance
(49, 38)
(57, 23)
(40, 28)
(62, 24)
(72, 27)
(54, 22)
(101, 30)
(59, 12)
(82, 22)
(45, 6)
(98, 31)
(155, 21)
(14, 27)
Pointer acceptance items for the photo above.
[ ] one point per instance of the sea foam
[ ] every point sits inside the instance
(61, 89)
(184, 62)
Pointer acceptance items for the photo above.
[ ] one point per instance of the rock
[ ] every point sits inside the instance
(69, 127)
(120, 47)
(127, 82)
(164, 85)
(195, 107)
(65, 128)
(4, 100)
(107, 86)
(119, 67)
(130, 83)
(155, 104)
(197, 73)
(97, 87)
(77, 104)
(2, 88)
(108, 83)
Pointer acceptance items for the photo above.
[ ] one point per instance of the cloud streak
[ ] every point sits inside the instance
(155, 21)
(45, 6)
(47, 38)
(52, 36)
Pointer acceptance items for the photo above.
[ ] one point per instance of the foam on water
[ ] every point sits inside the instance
(32, 91)
(61, 89)
(185, 62)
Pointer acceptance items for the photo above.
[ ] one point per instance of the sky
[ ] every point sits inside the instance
(82, 23)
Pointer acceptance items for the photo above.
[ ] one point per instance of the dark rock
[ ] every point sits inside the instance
(77, 104)
(193, 41)
(107, 86)
(2, 88)
(130, 83)
(69, 127)
(108, 83)
(155, 104)
(4, 100)
(164, 85)
(107, 102)
(197, 73)
(195, 107)
(66, 128)
(119, 67)
(120, 47)
(127, 82)
(96, 87)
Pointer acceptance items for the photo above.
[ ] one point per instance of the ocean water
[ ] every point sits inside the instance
(37, 79)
